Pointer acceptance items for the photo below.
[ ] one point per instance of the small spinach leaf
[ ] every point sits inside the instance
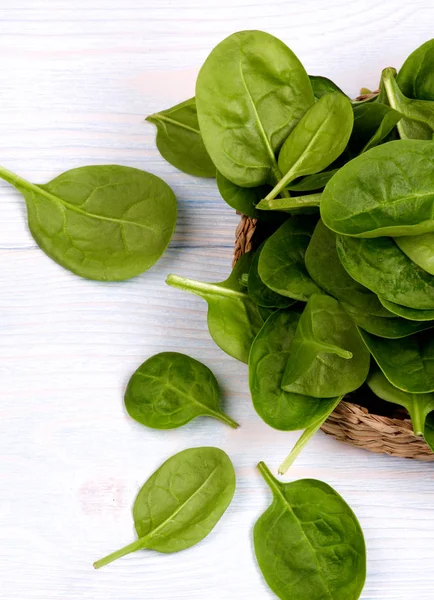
(379, 265)
(416, 76)
(259, 292)
(407, 363)
(420, 249)
(104, 222)
(179, 139)
(308, 543)
(250, 93)
(327, 356)
(281, 263)
(170, 389)
(322, 86)
(268, 358)
(413, 314)
(233, 319)
(181, 502)
(385, 191)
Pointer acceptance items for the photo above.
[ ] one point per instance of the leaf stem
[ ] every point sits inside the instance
(293, 202)
(226, 419)
(200, 288)
(267, 475)
(137, 545)
(280, 186)
(14, 179)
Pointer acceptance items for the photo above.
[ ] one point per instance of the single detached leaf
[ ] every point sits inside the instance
(413, 314)
(170, 389)
(386, 327)
(101, 222)
(379, 265)
(281, 262)
(268, 358)
(250, 94)
(259, 292)
(181, 502)
(317, 140)
(416, 76)
(233, 319)
(385, 191)
(308, 543)
(420, 249)
(418, 405)
(327, 356)
(407, 363)
(179, 139)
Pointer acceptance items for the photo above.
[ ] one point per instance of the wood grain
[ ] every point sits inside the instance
(77, 79)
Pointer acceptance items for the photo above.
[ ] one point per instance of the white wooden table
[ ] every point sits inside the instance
(77, 79)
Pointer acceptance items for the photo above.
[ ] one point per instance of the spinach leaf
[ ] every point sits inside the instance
(259, 292)
(327, 357)
(317, 140)
(322, 86)
(179, 139)
(308, 543)
(386, 327)
(420, 249)
(311, 183)
(268, 358)
(181, 502)
(413, 314)
(416, 76)
(101, 222)
(418, 405)
(233, 319)
(281, 262)
(418, 121)
(373, 123)
(250, 94)
(170, 389)
(379, 265)
(385, 191)
(407, 363)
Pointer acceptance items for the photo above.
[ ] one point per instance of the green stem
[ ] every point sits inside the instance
(418, 418)
(16, 180)
(279, 188)
(201, 288)
(268, 476)
(137, 545)
(394, 95)
(293, 202)
(225, 419)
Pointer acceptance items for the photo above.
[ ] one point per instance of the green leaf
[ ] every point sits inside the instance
(233, 319)
(416, 76)
(322, 86)
(170, 389)
(281, 263)
(385, 191)
(373, 123)
(181, 502)
(308, 543)
(386, 327)
(317, 140)
(418, 405)
(259, 292)
(179, 139)
(413, 314)
(250, 94)
(327, 357)
(379, 265)
(101, 222)
(407, 363)
(420, 249)
(311, 183)
(268, 358)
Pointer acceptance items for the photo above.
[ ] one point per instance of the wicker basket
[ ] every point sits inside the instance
(351, 423)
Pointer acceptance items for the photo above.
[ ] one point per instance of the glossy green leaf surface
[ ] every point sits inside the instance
(413, 314)
(389, 327)
(327, 357)
(259, 292)
(385, 191)
(267, 362)
(373, 122)
(322, 86)
(308, 543)
(104, 222)
(251, 92)
(281, 263)
(407, 363)
(420, 249)
(379, 265)
(181, 502)
(416, 76)
(170, 389)
(233, 319)
(179, 139)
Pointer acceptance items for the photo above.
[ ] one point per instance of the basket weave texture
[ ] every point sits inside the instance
(350, 423)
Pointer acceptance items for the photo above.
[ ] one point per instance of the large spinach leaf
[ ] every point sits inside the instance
(418, 405)
(259, 292)
(416, 76)
(413, 314)
(104, 222)
(179, 139)
(170, 389)
(327, 356)
(250, 93)
(267, 362)
(379, 265)
(420, 249)
(309, 544)
(281, 263)
(407, 363)
(385, 191)
(317, 140)
(233, 319)
(181, 502)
